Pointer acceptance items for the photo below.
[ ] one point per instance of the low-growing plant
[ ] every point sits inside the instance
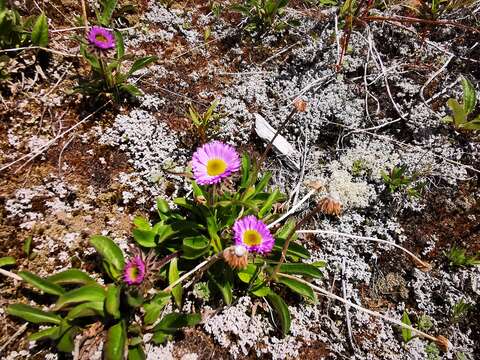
(406, 333)
(458, 257)
(18, 32)
(462, 118)
(263, 15)
(122, 306)
(398, 180)
(104, 50)
(460, 310)
(203, 122)
(107, 77)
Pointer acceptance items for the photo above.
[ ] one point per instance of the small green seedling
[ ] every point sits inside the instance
(398, 180)
(462, 112)
(406, 333)
(457, 258)
(202, 122)
(460, 310)
(262, 15)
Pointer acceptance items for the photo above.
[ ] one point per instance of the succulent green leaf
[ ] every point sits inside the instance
(40, 31)
(7, 260)
(110, 253)
(469, 96)
(145, 238)
(70, 276)
(459, 115)
(173, 275)
(33, 315)
(195, 246)
(299, 287)
(65, 344)
(406, 333)
(85, 310)
(174, 321)
(141, 63)
(52, 333)
(87, 293)
(282, 310)
(136, 353)
(301, 269)
(46, 286)
(116, 342)
(155, 307)
(112, 301)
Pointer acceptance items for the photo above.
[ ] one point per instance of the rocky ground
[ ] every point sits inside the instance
(383, 109)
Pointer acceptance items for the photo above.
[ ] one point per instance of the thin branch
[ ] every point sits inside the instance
(440, 340)
(424, 266)
(39, 48)
(10, 274)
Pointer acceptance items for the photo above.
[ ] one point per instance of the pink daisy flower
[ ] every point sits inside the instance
(253, 234)
(101, 38)
(134, 271)
(213, 162)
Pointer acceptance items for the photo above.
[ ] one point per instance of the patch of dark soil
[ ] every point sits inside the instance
(198, 343)
(448, 218)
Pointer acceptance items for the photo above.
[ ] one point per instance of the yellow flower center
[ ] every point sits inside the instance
(252, 238)
(216, 167)
(100, 38)
(133, 273)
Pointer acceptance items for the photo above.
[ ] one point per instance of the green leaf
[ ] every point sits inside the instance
(87, 293)
(85, 310)
(90, 58)
(120, 46)
(406, 333)
(130, 89)
(40, 31)
(162, 206)
(245, 169)
(135, 299)
(116, 341)
(294, 249)
(27, 246)
(110, 253)
(141, 63)
(299, 287)
(282, 310)
(141, 223)
(267, 205)
(46, 286)
(7, 260)
(145, 238)
(195, 246)
(172, 322)
(112, 301)
(108, 8)
(52, 333)
(155, 307)
(65, 344)
(173, 275)
(263, 182)
(136, 353)
(301, 269)
(70, 276)
(33, 315)
(224, 283)
(469, 96)
(459, 116)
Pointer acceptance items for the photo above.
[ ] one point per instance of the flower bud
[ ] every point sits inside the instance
(330, 205)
